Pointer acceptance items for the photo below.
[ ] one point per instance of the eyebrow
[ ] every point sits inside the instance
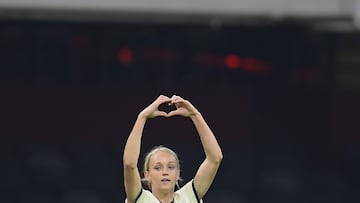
(170, 162)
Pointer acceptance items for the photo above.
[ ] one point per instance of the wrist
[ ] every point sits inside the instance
(194, 114)
(142, 116)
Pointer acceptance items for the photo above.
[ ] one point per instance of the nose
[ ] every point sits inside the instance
(165, 171)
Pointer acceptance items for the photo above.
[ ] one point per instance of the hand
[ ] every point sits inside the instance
(153, 109)
(183, 107)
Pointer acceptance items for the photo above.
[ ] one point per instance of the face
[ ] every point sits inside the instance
(163, 171)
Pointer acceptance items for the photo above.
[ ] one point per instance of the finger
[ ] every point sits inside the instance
(165, 99)
(159, 99)
(175, 99)
(162, 113)
(162, 99)
(179, 103)
(173, 113)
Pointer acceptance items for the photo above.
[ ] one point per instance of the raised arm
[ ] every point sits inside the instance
(132, 179)
(208, 169)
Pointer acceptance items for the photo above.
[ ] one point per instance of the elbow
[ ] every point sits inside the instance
(218, 158)
(129, 164)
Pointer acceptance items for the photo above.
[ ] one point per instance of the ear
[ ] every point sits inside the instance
(146, 175)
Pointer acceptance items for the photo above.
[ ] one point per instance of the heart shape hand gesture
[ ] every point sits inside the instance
(178, 106)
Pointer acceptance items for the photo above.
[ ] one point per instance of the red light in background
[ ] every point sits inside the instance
(125, 56)
(248, 64)
(208, 59)
(232, 62)
(263, 67)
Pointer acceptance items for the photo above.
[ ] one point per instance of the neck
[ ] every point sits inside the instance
(164, 197)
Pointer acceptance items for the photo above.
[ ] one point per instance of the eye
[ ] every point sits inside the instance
(171, 167)
(157, 168)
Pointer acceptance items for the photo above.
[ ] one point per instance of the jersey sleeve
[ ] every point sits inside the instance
(187, 194)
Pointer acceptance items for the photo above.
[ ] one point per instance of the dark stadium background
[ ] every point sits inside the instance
(70, 92)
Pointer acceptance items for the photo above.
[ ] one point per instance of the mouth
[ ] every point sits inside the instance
(165, 180)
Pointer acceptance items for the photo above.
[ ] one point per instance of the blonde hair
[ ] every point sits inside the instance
(147, 162)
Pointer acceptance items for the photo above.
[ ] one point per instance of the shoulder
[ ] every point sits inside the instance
(187, 193)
